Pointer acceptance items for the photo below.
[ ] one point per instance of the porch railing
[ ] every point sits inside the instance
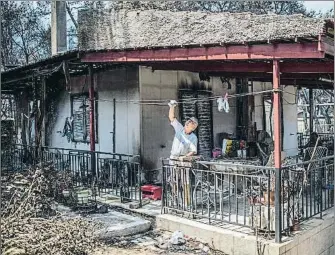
(307, 190)
(244, 195)
(234, 194)
(326, 138)
(115, 174)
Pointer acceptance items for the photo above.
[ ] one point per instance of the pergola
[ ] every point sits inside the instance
(302, 61)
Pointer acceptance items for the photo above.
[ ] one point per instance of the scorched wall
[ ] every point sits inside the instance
(121, 84)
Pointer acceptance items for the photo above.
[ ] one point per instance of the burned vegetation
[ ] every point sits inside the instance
(30, 221)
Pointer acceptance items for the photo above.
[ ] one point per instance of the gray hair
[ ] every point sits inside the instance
(194, 120)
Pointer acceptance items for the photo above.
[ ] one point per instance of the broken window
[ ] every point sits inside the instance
(80, 112)
(8, 108)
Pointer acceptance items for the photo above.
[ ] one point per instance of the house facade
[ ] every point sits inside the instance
(132, 102)
(131, 95)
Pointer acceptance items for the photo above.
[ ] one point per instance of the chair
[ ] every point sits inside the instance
(314, 171)
(211, 185)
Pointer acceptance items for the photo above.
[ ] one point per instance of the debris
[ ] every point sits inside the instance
(177, 238)
(136, 204)
(102, 209)
(162, 244)
(29, 222)
(206, 249)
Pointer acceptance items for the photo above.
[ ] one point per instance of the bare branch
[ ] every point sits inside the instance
(71, 16)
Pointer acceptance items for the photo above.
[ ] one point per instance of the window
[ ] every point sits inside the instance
(80, 112)
(8, 107)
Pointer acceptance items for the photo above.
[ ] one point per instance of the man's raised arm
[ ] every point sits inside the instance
(172, 105)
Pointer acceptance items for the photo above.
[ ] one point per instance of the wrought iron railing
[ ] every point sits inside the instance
(232, 194)
(109, 173)
(325, 138)
(119, 175)
(307, 190)
(246, 195)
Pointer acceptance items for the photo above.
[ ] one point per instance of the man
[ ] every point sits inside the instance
(184, 145)
(185, 141)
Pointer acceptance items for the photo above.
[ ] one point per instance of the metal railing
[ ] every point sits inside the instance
(246, 195)
(119, 175)
(110, 173)
(307, 190)
(234, 194)
(303, 139)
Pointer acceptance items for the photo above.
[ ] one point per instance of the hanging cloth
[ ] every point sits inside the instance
(223, 104)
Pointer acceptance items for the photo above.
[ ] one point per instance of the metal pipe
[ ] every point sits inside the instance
(92, 121)
(114, 123)
(334, 130)
(277, 148)
(311, 111)
(43, 133)
(92, 101)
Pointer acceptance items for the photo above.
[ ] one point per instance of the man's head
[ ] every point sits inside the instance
(190, 125)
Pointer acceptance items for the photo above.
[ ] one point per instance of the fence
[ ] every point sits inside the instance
(110, 173)
(229, 195)
(326, 138)
(245, 195)
(307, 190)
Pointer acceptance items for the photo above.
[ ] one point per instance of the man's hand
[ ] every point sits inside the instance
(172, 103)
(181, 158)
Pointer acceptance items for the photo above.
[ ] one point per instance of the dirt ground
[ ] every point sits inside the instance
(153, 242)
(137, 251)
(125, 251)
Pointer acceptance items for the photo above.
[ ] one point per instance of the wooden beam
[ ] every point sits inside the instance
(328, 45)
(232, 52)
(245, 67)
(296, 76)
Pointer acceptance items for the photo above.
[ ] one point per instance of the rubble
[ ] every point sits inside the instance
(177, 238)
(33, 223)
(161, 242)
(29, 222)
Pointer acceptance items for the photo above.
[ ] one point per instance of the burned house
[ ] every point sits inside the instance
(109, 98)
(131, 95)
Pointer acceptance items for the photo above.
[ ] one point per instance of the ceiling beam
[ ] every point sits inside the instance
(310, 83)
(269, 75)
(243, 67)
(228, 52)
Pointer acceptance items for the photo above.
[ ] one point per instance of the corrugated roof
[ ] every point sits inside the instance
(124, 29)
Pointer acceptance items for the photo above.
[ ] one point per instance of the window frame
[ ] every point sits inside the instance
(73, 96)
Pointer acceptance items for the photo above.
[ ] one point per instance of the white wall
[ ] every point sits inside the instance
(290, 143)
(121, 84)
(290, 109)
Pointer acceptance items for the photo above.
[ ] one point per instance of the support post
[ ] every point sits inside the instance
(114, 123)
(44, 96)
(277, 148)
(92, 119)
(311, 111)
(35, 117)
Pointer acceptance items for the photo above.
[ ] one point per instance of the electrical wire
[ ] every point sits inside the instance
(189, 100)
